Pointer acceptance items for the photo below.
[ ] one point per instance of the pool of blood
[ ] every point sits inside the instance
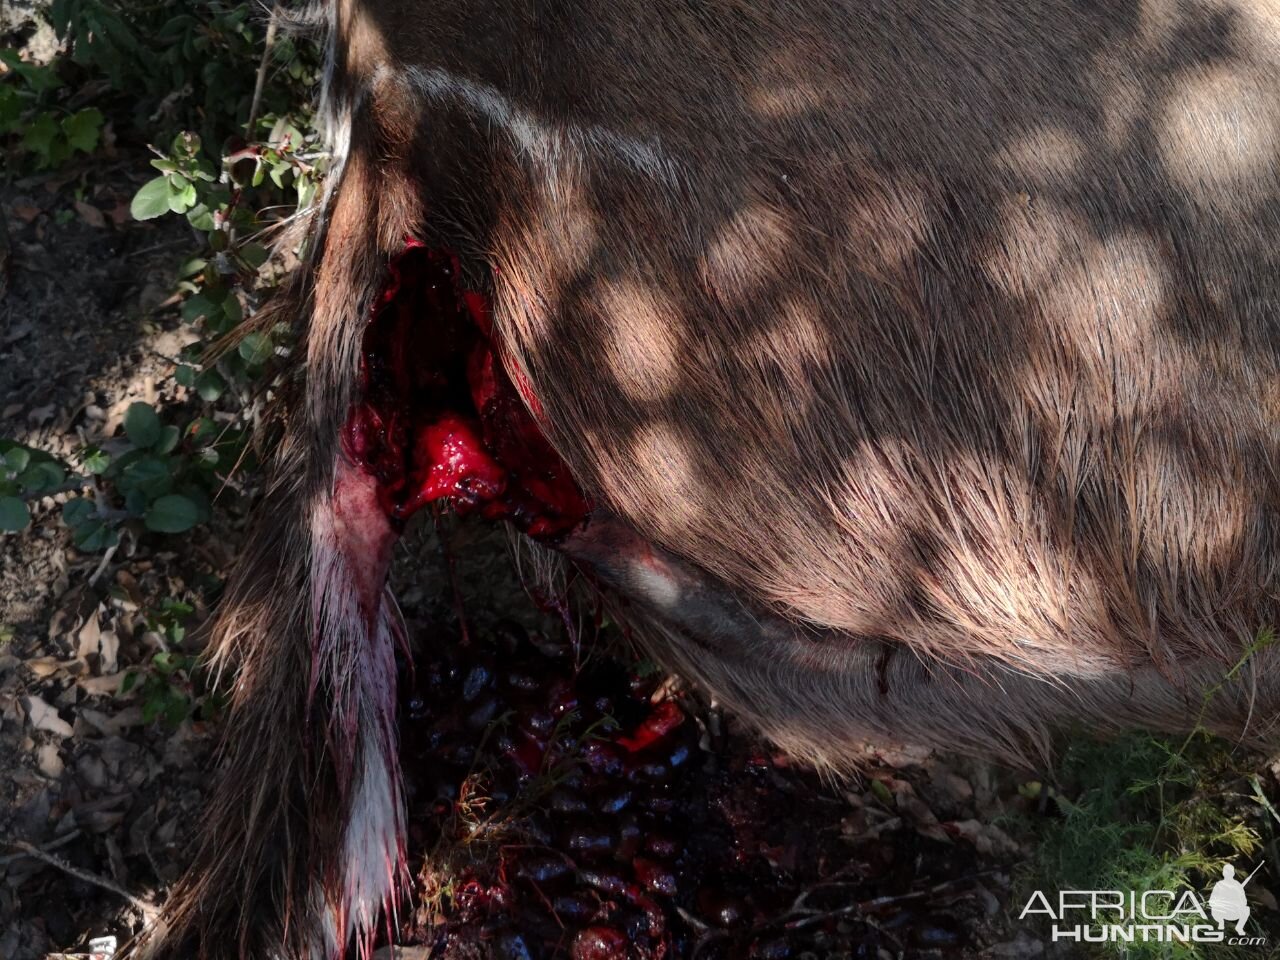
(439, 418)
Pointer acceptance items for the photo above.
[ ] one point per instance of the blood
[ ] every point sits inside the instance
(664, 718)
(439, 418)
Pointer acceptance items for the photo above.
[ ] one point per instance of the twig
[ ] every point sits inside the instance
(878, 903)
(62, 841)
(149, 910)
(706, 936)
(71, 485)
(106, 559)
(261, 80)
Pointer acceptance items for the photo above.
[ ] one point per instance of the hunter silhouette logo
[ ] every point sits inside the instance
(1150, 916)
(1227, 901)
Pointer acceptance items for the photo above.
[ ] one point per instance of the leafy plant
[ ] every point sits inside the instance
(173, 685)
(35, 126)
(156, 478)
(277, 174)
(25, 473)
(186, 64)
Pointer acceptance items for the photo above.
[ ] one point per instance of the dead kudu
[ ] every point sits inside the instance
(913, 366)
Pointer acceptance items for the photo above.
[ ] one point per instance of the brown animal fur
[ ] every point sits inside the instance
(923, 357)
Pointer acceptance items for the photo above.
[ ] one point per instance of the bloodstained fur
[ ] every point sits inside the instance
(439, 418)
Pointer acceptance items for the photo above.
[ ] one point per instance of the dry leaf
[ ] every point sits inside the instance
(88, 719)
(39, 415)
(103, 686)
(986, 839)
(90, 214)
(89, 636)
(44, 717)
(50, 761)
(44, 666)
(109, 644)
(130, 584)
(26, 212)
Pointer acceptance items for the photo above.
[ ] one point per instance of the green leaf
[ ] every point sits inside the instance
(14, 515)
(76, 511)
(42, 133)
(94, 534)
(10, 109)
(95, 460)
(199, 306)
(210, 386)
(193, 266)
(256, 349)
(41, 476)
(176, 608)
(135, 503)
(232, 311)
(183, 197)
(17, 459)
(82, 129)
(118, 464)
(185, 375)
(168, 439)
(306, 191)
(254, 254)
(172, 515)
(142, 424)
(176, 710)
(151, 200)
(129, 682)
(201, 429)
(149, 476)
(38, 77)
(201, 217)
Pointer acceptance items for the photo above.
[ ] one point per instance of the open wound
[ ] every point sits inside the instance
(439, 419)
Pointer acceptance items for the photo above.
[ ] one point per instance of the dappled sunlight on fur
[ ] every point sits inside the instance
(920, 360)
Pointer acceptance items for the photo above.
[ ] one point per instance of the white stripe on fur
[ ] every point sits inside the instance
(354, 664)
(548, 144)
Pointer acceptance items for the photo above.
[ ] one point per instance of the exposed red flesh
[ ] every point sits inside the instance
(439, 418)
(664, 718)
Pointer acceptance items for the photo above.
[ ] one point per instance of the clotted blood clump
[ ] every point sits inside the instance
(439, 418)
(580, 810)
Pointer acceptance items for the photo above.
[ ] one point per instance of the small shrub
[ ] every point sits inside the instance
(174, 685)
(36, 127)
(163, 475)
(172, 65)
